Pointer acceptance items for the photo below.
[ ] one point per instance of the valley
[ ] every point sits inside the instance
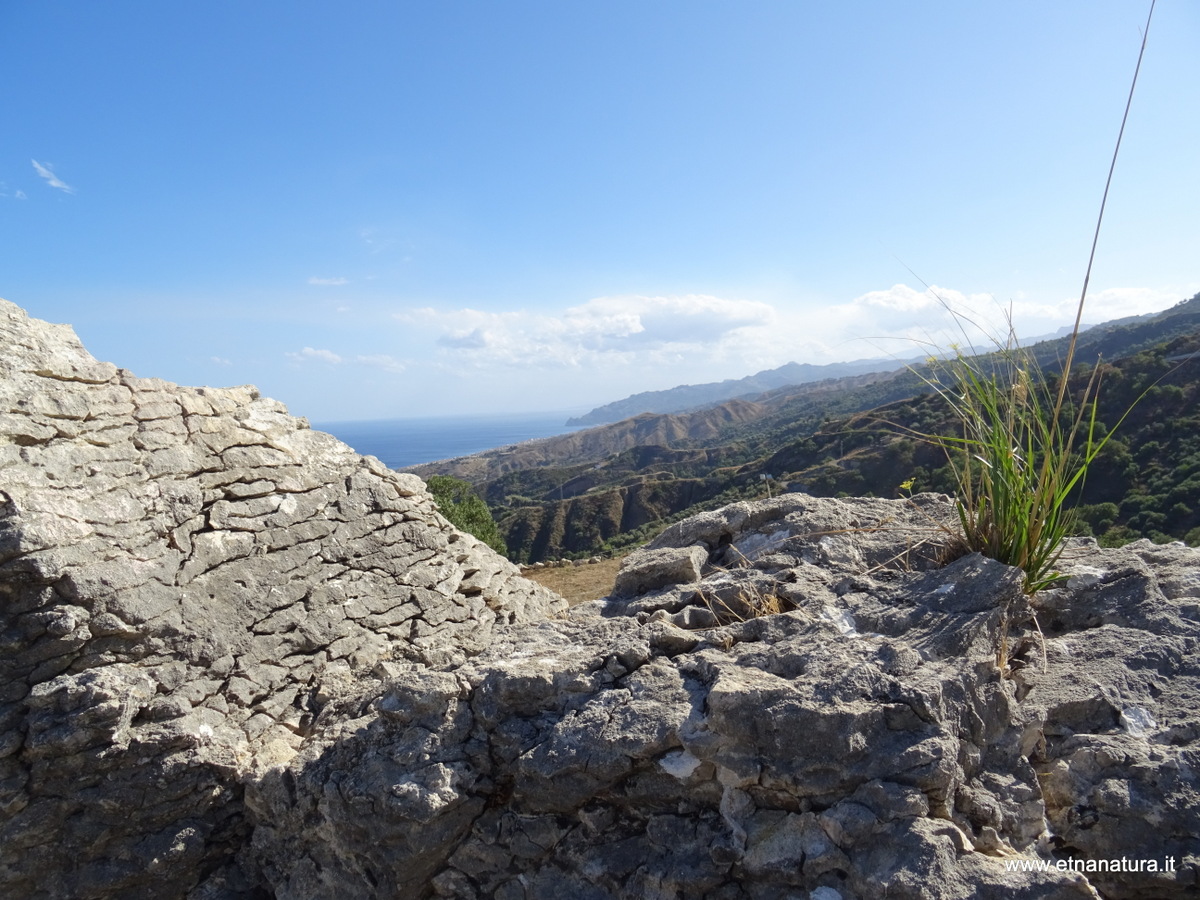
(614, 486)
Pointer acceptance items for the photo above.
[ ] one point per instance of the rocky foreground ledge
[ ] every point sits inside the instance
(241, 662)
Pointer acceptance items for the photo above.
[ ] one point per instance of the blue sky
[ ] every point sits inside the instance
(382, 209)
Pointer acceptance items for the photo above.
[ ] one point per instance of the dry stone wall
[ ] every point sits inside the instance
(188, 578)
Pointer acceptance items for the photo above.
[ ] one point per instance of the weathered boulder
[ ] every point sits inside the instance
(648, 570)
(188, 577)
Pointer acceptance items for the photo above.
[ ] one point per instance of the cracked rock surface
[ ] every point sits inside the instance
(189, 578)
(860, 742)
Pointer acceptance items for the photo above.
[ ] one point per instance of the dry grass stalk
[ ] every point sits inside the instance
(1022, 450)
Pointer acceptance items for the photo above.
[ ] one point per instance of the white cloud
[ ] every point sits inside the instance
(20, 195)
(654, 330)
(610, 347)
(906, 321)
(381, 361)
(308, 354)
(47, 172)
(328, 282)
(220, 361)
(475, 339)
(1105, 305)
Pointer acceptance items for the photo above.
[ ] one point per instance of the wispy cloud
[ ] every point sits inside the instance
(47, 172)
(328, 282)
(906, 320)
(376, 242)
(220, 361)
(623, 328)
(381, 361)
(1107, 304)
(911, 321)
(706, 338)
(309, 354)
(20, 195)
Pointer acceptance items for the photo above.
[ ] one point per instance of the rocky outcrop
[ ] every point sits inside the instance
(893, 726)
(189, 578)
(787, 698)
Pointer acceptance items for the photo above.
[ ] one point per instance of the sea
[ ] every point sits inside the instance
(400, 443)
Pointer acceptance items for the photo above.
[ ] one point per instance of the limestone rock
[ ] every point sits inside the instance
(647, 570)
(890, 732)
(189, 577)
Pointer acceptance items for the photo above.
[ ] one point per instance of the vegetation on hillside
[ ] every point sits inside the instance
(1144, 483)
(830, 440)
(458, 502)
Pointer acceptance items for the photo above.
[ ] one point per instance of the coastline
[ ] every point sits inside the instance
(402, 443)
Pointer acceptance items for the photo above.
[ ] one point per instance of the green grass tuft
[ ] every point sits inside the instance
(1021, 452)
(1023, 447)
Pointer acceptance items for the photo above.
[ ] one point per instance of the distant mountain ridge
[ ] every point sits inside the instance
(690, 397)
(613, 485)
(687, 397)
(595, 444)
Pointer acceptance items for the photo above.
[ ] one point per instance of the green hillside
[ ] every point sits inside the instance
(1145, 483)
(847, 437)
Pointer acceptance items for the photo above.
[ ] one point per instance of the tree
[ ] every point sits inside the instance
(458, 502)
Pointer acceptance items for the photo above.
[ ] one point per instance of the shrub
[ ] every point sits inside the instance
(1118, 536)
(458, 502)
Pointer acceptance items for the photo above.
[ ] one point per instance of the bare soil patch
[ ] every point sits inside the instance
(578, 584)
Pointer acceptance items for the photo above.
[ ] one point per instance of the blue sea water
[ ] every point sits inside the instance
(400, 443)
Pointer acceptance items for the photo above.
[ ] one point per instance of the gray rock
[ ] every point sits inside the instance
(648, 570)
(189, 577)
(893, 733)
(779, 755)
